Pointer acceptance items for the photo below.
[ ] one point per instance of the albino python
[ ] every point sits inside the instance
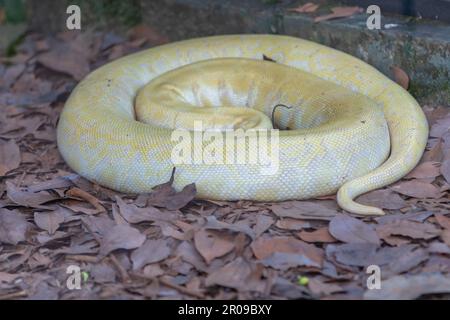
(351, 129)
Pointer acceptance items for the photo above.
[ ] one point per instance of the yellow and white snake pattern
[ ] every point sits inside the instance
(352, 130)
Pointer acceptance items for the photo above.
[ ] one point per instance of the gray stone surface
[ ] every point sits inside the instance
(420, 47)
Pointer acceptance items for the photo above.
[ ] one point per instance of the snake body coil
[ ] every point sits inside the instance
(352, 130)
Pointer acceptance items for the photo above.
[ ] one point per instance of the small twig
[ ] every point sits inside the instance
(88, 227)
(82, 258)
(14, 295)
(123, 273)
(22, 177)
(171, 285)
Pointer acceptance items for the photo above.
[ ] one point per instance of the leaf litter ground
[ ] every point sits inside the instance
(166, 245)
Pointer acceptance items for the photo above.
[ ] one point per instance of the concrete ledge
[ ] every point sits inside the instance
(420, 47)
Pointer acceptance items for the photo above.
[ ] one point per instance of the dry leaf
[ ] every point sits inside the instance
(238, 274)
(445, 170)
(428, 169)
(213, 224)
(383, 198)
(352, 254)
(263, 222)
(175, 201)
(28, 199)
(212, 244)
(133, 214)
(9, 156)
(435, 154)
(400, 77)
(318, 287)
(445, 236)
(264, 247)
(284, 261)
(319, 235)
(407, 228)
(443, 221)
(150, 252)
(315, 210)
(49, 221)
(410, 287)
(306, 8)
(148, 33)
(339, 12)
(13, 227)
(417, 189)
(440, 128)
(292, 224)
(65, 60)
(121, 237)
(351, 230)
(81, 194)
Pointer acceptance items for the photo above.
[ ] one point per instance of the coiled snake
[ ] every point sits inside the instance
(351, 129)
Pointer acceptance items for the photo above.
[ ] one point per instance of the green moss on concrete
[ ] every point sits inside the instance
(15, 11)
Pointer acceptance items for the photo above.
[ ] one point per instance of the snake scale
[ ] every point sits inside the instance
(351, 129)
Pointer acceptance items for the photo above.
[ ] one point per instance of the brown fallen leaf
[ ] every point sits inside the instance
(134, 214)
(264, 247)
(339, 12)
(81, 194)
(407, 228)
(435, 154)
(320, 288)
(13, 227)
(417, 189)
(174, 201)
(441, 127)
(25, 198)
(412, 216)
(352, 254)
(428, 169)
(6, 277)
(49, 221)
(351, 230)
(103, 273)
(284, 261)
(400, 77)
(121, 237)
(313, 210)
(435, 113)
(148, 33)
(410, 287)
(187, 252)
(445, 170)
(212, 244)
(213, 224)
(408, 260)
(383, 198)
(263, 223)
(150, 252)
(238, 274)
(292, 224)
(9, 156)
(306, 8)
(55, 183)
(320, 235)
(12, 74)
(67, 59)
(445, 236)
(443, 221)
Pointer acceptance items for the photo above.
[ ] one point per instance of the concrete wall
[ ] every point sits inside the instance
(420, 47)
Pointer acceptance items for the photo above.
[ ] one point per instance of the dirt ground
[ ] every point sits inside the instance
(166, 245)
